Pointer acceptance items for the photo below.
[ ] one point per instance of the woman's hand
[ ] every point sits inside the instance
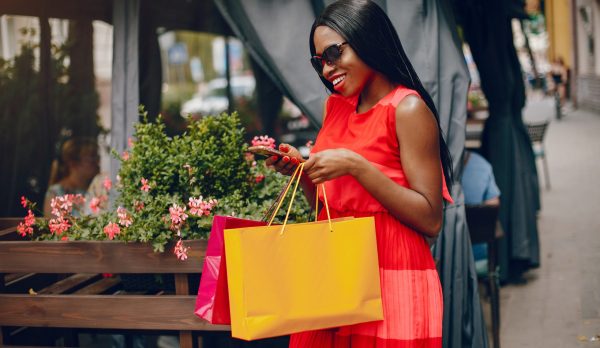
(330, 164)
(286, 164)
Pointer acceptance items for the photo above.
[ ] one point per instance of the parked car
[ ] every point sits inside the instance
(213, 97)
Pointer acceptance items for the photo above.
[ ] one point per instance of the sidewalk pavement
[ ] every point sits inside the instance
(559, 305)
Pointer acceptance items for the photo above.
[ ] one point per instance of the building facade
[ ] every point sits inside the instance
(586, 52)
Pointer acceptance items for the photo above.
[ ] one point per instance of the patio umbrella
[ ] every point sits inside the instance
(428, 32)
(505, 143)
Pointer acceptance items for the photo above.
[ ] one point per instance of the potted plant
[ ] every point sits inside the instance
(168, 189)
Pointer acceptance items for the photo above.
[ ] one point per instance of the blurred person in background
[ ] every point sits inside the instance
(558, 73)
(77, 163)
(479, 187)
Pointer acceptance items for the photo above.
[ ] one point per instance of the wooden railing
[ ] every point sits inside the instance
(91, 306)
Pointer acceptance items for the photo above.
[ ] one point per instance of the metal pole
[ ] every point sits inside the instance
(228, 76)
(574, 76)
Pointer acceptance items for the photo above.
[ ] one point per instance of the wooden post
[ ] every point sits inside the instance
(2, 285)
(182, 288)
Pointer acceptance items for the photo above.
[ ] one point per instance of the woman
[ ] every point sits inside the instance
(77, 164)
(380, 153)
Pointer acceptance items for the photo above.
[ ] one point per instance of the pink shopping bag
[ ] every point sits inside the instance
(212, 302)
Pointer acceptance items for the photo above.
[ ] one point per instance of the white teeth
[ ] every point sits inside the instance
(339, 79)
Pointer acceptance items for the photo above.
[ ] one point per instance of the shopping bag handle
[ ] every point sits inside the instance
(317, 203)
(281, 195)
(296, 177)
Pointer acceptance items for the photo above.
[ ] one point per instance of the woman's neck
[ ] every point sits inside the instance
(375, 89)
(74, 183)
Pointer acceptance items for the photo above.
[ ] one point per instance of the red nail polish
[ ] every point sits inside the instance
(286, 159)
(295, 160)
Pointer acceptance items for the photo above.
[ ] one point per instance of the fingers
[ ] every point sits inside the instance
(285, 165)
(271, 160)
(289, 149)
(317, 177)
(284, 147)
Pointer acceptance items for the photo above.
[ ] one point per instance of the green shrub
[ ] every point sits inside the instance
(160, 174)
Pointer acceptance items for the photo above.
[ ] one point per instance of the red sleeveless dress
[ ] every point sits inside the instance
(410, 286)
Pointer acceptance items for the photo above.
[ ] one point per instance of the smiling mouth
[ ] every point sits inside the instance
(337, 80)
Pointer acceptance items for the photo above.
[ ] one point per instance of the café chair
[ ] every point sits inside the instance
(537, 132)
(482, 221)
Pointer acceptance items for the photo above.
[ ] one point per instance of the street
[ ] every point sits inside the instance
(559, 305)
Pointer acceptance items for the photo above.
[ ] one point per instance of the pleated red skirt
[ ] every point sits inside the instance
(411, 296)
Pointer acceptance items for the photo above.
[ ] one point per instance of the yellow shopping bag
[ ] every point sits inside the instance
(298, 277)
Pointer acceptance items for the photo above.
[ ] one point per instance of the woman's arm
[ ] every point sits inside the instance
(419, 206)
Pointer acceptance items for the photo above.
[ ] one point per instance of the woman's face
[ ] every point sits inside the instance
(88, 165)
(349, 74)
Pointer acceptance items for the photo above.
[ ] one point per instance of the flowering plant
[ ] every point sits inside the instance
(169, 188)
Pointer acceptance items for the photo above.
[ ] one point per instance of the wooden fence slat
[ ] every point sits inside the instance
(99, 286)
(67, 284)
(8, 222)
(15, 277)
(97, 257)
(90, 311)
(8, 228)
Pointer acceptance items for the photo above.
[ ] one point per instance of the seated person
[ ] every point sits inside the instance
(479, 187)
(77, 164)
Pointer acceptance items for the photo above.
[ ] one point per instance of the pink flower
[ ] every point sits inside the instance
(125, 155)
(24, 230)
(181, 250)
(249, 157)
(78, 199)
(97, 202)
(199, 207)
(124, 218)
(263, 140)
(60, 206)
(107, 183)
(195, 206)
(24, 201)
(259, 178)
(130, 142)
(59, 225)
(63, 205)
(178, 216)
(138, 206)
(111, 229)
(145, 187)
(30, 218)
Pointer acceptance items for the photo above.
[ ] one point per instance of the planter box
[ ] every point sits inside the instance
(87, 307)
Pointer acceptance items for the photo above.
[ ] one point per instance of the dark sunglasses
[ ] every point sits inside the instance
(331, 55)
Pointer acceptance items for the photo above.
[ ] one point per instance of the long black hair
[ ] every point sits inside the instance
(371, 34)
